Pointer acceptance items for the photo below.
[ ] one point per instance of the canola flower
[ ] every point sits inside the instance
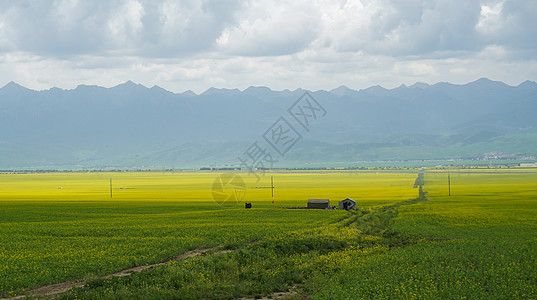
(478, 243)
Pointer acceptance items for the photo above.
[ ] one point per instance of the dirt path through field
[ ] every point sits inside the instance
(277, 295)
(58, 288)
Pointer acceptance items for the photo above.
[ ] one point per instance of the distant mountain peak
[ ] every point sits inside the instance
(157, 88)
(342, 90)
(485, 81)
(189, 93)
(88, 86)
(402, 86)
(376, 87)
(13, 87)
(130, 84)
(222, 91)
(258, 91)
(55, 89)
(528, 83)
(257, 88)
(377, 90)
(420, 85)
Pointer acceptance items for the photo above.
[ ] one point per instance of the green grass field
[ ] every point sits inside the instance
(478, 243)
(481, 242)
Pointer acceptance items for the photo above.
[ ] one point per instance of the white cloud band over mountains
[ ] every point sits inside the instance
(318, 44)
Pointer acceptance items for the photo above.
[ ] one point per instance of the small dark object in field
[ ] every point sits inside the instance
(248, 205)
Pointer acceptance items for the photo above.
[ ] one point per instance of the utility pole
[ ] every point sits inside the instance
(272, 185)
(449, 184)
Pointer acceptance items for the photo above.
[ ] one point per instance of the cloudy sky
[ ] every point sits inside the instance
(313, 44)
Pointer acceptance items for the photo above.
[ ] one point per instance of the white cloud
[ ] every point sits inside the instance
(4, 41)
(315, 44)
(126, 24)
(490, 19)
(493, 52)
(415, 69)
(264, 29)
(345, 26)
(175, 18)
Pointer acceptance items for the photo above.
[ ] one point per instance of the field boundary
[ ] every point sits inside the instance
(62, 287)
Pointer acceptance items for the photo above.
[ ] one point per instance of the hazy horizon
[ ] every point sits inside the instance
(415, 84)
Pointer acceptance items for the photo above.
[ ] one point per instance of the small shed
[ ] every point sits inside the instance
(347, 204)
(319, 203)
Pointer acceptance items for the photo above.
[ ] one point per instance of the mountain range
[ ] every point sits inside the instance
(132, 126)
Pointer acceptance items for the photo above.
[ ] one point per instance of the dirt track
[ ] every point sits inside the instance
(58, 288)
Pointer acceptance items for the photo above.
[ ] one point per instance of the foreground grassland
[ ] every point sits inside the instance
(480, 242)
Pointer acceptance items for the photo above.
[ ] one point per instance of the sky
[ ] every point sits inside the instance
(313, 44)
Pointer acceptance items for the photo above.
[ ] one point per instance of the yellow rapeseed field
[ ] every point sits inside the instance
(60, 226)
(478, 243)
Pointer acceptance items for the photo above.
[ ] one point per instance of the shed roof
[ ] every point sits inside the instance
(318, 200)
